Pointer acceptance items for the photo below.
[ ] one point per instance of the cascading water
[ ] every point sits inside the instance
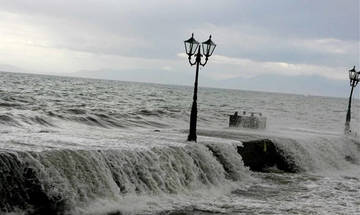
(314, 153)
(59, 180)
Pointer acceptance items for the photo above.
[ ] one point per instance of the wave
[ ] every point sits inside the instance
(21, 119)
(56, 181)
(9, 104)
(144, 118)
(147, 112)
(318, 153)
(51, 120)
(8, 120)
(306, 151)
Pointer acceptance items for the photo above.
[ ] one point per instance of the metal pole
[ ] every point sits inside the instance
(348, 115)
(193, 115)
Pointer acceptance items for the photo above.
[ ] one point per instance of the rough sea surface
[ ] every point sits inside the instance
(82, 146)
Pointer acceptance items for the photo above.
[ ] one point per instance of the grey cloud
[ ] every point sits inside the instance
(84, 25)
(259, 30)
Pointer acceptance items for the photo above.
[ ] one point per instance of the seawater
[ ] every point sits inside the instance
(83, 146)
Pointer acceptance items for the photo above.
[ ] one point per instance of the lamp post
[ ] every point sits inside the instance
(354, 80)
(191, 47)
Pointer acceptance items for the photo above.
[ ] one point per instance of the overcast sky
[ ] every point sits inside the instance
(254, 38)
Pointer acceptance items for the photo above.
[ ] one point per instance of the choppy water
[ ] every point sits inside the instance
(80, 146)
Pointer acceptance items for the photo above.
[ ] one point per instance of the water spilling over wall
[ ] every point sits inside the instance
(60, 180)
(57, 180)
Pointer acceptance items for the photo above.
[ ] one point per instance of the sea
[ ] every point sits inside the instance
(85, 146)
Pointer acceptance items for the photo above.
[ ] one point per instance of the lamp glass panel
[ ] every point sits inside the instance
(194, 48)
(212, 48)
(205, 48)
(187, 47)
(191, 46)
(356, 76)
(352, 74)
(208, 47)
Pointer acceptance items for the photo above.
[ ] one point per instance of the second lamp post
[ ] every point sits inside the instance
(191, 47)
(354, 80)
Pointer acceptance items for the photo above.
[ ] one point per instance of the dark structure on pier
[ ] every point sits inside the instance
(255, 120)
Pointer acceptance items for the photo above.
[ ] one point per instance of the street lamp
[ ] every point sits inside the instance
(191, 46)
(354, 80)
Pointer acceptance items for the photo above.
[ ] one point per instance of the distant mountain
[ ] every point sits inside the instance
(10, 68)
(306, 85)
(139, 75)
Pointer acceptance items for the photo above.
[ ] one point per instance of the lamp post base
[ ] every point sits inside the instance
(191, 138)
(193, 119)
(347, 128)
